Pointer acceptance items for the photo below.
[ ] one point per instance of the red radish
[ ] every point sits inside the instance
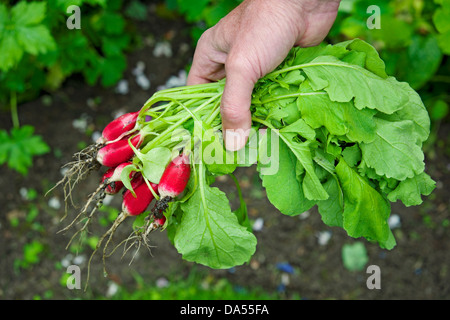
(160, 221)
(114, 187)
(134, 205)
(172, 183)
(114, 174)
(175, 177)
(118, 152)
(111, 186)
(118, 127)
(157, 222)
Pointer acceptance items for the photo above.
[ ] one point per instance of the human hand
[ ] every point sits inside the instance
(250, 42)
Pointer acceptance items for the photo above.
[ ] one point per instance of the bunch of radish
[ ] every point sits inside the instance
(329, 137)
(115, 150)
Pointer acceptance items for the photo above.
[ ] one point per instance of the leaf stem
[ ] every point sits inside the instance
(164, 134)
(14, 113)
(264, 122)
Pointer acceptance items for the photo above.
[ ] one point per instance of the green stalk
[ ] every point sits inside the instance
(287, 96)
(14, 113)
(314, 64)
(169, 130)
(264, 122)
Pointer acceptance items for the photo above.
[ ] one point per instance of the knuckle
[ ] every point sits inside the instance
(231, 112)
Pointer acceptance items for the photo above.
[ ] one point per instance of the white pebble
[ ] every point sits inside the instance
(80, 124)
(23, 193)
(122, 87)
(162, 48)
(54, 203)
(108, 199)
(63, 171)
(323, 237)
(285, 280)
(67, 260)
(139, 69)
(96, 135)
(79, 260)
(143, 81)
(112, 289)
(304, 215)
(258, 224)
(162, 282)
(394, 221)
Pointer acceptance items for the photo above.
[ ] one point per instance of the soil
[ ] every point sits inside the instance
(418, 268)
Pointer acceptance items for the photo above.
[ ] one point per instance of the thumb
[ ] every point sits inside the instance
(235, 107)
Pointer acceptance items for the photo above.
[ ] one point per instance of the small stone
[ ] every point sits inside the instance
(394, 221)
(122, 87)
(54, 203)
(258, 224)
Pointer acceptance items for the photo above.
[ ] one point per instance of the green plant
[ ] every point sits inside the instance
(413, 42)
(196, 286)
(354, 256)
(31, 255)
(40, 52)
(202, 14)
(18, 148)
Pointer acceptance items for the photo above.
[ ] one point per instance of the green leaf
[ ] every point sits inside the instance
(36, 39)
(410, 191)
(11, 51)
(440, 18)
(420, 61)
(283, 189)
(439, 110)
(344, 82)
(312, 188)
(414, 110)
(354, 256)
(22, 32)
(209, 233)
(365, 210)
(111, 69)
(394, 33)
(372, 62)
(192, 9)
(4, 18)
(136, 10)
(154, 163)
(331, 209)
(393, 153)
(19, 148)
(339, 118)
(352, 155)
(28, 13)
(213, 13)
(125, 177)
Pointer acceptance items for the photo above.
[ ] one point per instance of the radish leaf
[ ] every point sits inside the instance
(209, 233)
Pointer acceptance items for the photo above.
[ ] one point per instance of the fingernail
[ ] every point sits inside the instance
(234, 139)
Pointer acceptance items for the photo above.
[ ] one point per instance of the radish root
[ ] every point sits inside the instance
(76, 171)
